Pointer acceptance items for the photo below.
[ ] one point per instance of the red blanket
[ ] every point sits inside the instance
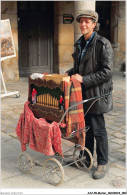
(75, 116)
(38, 133)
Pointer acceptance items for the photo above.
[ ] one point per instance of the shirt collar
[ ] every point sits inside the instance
(91, 37)
(78, 43)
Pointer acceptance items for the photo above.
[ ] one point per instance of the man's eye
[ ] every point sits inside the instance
(81, 22)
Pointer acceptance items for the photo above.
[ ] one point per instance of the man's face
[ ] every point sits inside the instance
(86, 26)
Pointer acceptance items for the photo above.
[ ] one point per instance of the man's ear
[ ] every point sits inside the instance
(94, 24)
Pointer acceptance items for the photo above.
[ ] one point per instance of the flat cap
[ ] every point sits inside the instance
(88, 14)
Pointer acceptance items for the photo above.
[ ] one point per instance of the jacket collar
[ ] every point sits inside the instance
(87, 54)
(78, 43)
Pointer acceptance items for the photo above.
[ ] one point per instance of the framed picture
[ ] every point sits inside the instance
(7, 43)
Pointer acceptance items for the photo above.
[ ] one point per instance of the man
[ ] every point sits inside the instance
(93, 63)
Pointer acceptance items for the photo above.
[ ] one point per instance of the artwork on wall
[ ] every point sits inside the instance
(7, 51)
(7, 43)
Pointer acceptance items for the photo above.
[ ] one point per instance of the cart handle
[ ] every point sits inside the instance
(74, 133)
(82, 102)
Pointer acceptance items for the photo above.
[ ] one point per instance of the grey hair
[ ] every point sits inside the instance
(97, 27)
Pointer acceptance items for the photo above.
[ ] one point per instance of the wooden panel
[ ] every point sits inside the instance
(35, 37)
(56, 78)
(23, 42)
(47, 113)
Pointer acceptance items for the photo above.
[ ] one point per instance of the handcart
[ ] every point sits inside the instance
(53, 166)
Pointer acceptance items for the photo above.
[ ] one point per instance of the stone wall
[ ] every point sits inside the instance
(66, 34)
(10, 66)
(63, 37)
(118, 39)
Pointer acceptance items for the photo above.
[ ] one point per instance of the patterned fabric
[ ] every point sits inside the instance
(38, 133)
(75, 116)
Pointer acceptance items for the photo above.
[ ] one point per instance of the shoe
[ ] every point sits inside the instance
(100, 171)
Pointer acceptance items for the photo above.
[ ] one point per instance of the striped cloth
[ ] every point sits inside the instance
(75, 116)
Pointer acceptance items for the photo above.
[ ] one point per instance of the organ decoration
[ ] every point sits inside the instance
(49, 93)
(61, 102)
(34, 96)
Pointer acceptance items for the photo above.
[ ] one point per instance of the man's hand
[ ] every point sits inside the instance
(78, 77)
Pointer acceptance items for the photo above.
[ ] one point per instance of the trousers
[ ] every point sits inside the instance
(97, 132)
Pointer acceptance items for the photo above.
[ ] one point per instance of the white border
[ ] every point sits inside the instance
(68, 191)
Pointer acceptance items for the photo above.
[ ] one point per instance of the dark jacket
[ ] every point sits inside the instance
(96, 68)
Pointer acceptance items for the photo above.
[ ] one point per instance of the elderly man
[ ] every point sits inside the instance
(93, 63)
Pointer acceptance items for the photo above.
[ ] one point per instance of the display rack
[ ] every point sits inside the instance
(7, 51)
(5, 90)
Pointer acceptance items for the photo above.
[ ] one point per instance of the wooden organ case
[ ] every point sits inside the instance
(49, 90)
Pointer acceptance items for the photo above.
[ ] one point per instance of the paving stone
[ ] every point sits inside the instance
(12, 125)
(122, 150)
(111, 159)
(123, 127)
(123, 131)
(110, 121)
(122, 115)
(15, 120)
(13, 134)
(117, 172)
(119, 105)
(6, 122)
(4, 138)
(3, 116)
(8, 130)
(119, 135)
(119, 164)
(118, 155)
(110, 137)
(119, 141)
(120, 120)
(116, 128)
(111, 132)
(119, 183)
(121, 100)
(112, 113)
(114, 146)
(118, 123)
(10, 112)
(108, 126)
(3, 127)
(109, 118)
(16, 116)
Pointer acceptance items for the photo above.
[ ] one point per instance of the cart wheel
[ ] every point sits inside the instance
(83, 162)
(53, 171)
(25, 163)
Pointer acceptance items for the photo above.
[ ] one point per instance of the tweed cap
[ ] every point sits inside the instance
(88, 14)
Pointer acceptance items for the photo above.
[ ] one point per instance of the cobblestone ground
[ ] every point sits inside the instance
(116, 128)
(12, 107)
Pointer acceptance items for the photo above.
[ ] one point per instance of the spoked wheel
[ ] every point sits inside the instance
(25, 163)
(83, 159)
(53, 171)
